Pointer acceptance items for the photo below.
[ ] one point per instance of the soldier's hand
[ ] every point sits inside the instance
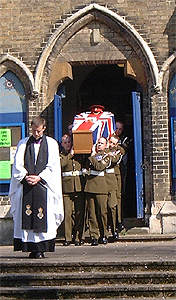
(72, 151)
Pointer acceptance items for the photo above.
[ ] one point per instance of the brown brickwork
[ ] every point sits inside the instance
(27, 25)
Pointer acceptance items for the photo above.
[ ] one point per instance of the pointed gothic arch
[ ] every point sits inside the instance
(11, 63)
(120, 22)
(167, 71)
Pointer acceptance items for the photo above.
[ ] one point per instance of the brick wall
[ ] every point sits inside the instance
(27, 25)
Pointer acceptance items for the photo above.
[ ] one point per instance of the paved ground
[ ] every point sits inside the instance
(112, 252)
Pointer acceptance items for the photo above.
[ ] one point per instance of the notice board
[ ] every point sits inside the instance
(10, 134)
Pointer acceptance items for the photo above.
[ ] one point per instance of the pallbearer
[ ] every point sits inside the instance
(97, 193)
(72, 181)
(113, 181)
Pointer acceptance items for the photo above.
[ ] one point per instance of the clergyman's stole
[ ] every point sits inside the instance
(34, 205)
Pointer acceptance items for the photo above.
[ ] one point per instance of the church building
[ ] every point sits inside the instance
(57, 58)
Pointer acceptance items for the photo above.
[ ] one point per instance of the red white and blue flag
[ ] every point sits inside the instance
(101, 124)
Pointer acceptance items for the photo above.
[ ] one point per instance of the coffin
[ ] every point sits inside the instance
(82, 141)
(88, 127)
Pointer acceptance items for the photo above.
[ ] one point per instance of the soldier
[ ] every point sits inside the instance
(72, 192)
(96, 193)
(124, 143)
(113, 181)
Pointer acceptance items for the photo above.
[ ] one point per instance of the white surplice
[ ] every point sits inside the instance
(52, 175)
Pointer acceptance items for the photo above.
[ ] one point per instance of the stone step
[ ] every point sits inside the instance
(135, 235)
(132, 235)
(38, 266)
(112, 298)
(90, 292)
(87, 278)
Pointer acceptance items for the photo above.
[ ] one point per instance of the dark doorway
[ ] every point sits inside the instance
(106, 84)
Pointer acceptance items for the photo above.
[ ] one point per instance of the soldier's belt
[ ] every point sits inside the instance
(110, 171)
(97, 173)
(92, 172)
(85, 172)
(71, 173)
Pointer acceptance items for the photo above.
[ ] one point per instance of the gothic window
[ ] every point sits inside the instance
(12, 99)
(12, 124)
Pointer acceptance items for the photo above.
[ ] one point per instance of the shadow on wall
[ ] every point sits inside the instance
(48, 114)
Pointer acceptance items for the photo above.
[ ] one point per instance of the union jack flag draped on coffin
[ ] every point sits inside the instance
(101, 124)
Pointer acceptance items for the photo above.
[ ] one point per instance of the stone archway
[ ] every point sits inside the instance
(167, 69)
(10, 63)
(13, 64)
(94, 13)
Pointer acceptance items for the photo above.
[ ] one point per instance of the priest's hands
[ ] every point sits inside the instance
(32, 179)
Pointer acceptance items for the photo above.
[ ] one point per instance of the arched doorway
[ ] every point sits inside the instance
(105, 84)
